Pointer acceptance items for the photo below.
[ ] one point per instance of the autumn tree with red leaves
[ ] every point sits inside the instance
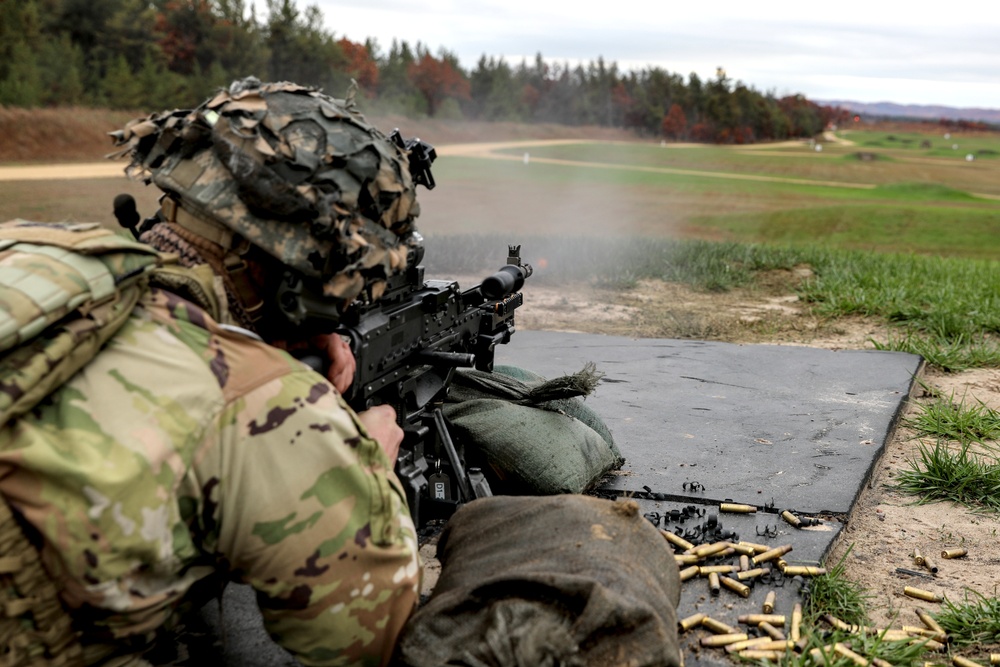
(674, 123)
(438, 79)
(360, 65)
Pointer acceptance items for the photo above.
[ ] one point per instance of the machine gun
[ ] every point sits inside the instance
(407, 346)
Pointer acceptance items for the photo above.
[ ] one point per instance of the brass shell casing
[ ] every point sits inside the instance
(803, 570)
(844, 651)
(918, 557)
(689, 572)
(771, 554)
(959, 661)
(929, 621)
(744, 562)
(746, 643)
(757, 548)
(761, 654)
(676, 540)
(771, 631)
(686, 559)
(954, 553)
(926, 632)
(723, 640)
(705, 550)
(737, 508)
(995, 658)
(769, 599)
(930, 565)
(742, 589)
(795, 633)
(756, 619)
(751, 574)
(718, 569)
(921, 594)
(791, 518)
(713, 583)
(718, 627)
(691, 621)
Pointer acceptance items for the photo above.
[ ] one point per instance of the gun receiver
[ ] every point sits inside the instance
(407, 346)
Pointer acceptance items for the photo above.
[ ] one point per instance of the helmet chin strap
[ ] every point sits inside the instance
(227, 257)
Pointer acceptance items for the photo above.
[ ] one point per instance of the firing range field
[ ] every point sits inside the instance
(562, 200)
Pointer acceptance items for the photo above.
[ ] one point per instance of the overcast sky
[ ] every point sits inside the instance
(942, 53)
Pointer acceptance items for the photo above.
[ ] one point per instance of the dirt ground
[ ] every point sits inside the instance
(885, 526)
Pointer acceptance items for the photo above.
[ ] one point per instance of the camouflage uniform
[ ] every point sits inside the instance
(183, 447)
(186, 448)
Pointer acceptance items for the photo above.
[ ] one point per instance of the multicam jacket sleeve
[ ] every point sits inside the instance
(184, 446)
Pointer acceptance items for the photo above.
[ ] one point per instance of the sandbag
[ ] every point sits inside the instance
(536, 436)
(559, 580)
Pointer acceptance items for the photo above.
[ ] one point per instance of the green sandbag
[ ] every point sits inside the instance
(528, 435)
(561, 581)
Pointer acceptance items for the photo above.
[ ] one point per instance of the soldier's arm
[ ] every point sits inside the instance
(312, 516)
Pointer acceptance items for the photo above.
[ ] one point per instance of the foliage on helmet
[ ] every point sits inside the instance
(297, 173)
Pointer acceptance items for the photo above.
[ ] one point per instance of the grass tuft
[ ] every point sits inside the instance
(946, 419)
(975, 621)
(832, 593)
(944, 473)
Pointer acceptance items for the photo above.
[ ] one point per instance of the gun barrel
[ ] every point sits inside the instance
(453, 359)
(505, 281)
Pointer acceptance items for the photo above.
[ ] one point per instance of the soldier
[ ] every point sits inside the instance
(193, 449)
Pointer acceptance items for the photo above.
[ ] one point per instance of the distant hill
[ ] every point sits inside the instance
(893, 110)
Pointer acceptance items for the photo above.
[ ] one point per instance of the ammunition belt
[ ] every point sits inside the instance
(35, 630)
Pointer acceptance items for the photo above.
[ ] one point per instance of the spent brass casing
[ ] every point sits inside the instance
(757, 619)
(930, 565)
(769, 599)
(737, 508)
(705, 570)
(744, 549)
(918, 557)
(804, 570)
(741, 589)
(921, 594)
(752, 574)
(781, 564)
(959, 661)
(689, 572)
(676, 540)
(954, 553)
(686, 559)
(879, 662)
(926, 632)
(846, 652)
(723, 640)
(791, 518)
(995, 658)
(894, 635)
(929, 644)
(761, 654)
(840, 625)
(929, 621)
(771, 631)
(713, 583)
(757, 548)
(771, 554)
(744, 562)
(795, 633)
(705, 550)
(718, 627)
(746, 643)
(691, 621)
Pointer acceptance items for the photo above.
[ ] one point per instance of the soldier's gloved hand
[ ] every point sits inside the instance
(381, 424)
(342, 363)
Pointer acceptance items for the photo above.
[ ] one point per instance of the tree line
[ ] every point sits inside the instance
(158, 54)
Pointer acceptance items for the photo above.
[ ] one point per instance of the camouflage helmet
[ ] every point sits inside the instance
(295, 172)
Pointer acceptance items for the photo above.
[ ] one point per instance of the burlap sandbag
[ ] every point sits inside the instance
(536, 436)
(544, 581)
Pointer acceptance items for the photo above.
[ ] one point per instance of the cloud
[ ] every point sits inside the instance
(865, 52)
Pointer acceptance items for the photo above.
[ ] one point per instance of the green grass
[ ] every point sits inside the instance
(958, 475)
(944, 418)
(832, 593)
(972, 622)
